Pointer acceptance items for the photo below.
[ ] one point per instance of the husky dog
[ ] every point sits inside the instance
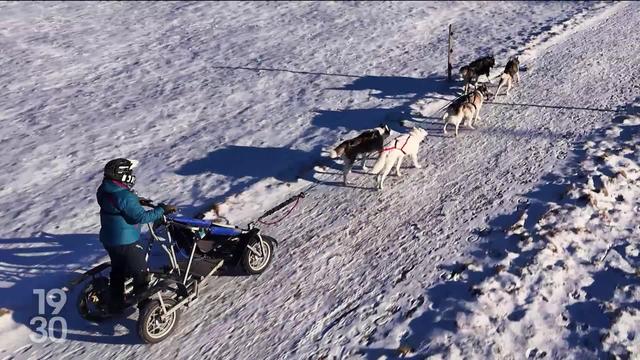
(468, 76)
(401, 146)
(510, 74)
(466, 109)
(472, 72)
(365, 143)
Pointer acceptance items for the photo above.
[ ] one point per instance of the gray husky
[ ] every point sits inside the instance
(466, 109)
(510, 74)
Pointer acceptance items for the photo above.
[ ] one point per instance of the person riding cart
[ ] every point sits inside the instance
(121, 217)
(195, 249)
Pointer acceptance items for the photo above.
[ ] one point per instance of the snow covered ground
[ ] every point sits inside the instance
(561, 281)
(232, 101)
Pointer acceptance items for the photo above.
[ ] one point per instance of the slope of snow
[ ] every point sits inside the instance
(559, 282)
(233, 101)
(191, 89)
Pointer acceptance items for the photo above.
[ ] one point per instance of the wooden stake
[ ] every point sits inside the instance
(449, 67)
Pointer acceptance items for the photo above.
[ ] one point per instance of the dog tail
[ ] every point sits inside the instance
(380, 162)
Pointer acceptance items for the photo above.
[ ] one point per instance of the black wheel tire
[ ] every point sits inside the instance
(93, 298)
(151, 328)
(254, 264)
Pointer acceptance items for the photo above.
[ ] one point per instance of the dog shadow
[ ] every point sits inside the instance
(407, 89)
(400, 87)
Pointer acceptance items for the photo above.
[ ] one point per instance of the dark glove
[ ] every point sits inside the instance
(145, 202)
(168, 209)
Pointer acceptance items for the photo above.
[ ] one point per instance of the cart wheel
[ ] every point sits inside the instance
(93, 299)
(257, 263)
(152, 328)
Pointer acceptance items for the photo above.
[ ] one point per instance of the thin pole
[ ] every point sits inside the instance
(449, 67)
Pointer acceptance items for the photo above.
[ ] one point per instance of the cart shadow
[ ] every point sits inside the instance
(47, 261)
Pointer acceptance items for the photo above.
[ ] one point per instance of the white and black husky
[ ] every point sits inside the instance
(368, 142)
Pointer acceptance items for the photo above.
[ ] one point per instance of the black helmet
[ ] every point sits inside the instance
(121, 170)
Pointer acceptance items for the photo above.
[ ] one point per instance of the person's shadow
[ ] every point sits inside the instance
(247, 165)
(247, 161)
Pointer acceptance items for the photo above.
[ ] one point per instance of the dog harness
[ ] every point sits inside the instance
(395, 146)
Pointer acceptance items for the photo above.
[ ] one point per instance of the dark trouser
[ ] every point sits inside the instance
(127, 261)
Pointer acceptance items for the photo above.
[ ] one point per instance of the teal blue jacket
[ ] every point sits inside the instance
(121, 214)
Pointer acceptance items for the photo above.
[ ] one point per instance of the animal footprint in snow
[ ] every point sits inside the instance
(563, 320)
(414, 305)
(382, 319)
(483, 232)
(534, 354)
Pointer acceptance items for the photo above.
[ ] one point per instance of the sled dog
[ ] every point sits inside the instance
(364, 144)
(470, 73)
(466, 109)
(510, 74)
(401, 146)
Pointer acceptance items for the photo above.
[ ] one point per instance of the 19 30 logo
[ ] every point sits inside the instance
(46, 328)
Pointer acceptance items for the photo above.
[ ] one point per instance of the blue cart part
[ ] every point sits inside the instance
(213, 229)
(199, 223)
(216, 229)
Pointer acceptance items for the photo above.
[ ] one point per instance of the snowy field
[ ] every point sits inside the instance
(236, 103)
